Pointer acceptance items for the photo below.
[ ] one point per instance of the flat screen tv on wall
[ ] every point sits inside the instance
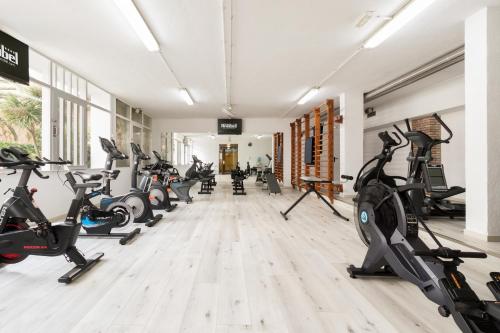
(229, 126)
(309, 151)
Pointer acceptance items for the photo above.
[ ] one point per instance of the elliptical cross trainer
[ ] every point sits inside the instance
(387, 219)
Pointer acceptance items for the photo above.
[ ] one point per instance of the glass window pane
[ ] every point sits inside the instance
(146, 141)
(123, 140)
(54, 75)
(147, 121)
(60, 78)
(122, 109)
(23, 115)
(74, 85)
(39, 67)
(71, 131)
(98, 125)
(137, 115)
(82, 88)
(136, 135)
(98, 97)
(67, 81)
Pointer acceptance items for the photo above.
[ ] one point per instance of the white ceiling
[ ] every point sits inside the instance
(280, 48)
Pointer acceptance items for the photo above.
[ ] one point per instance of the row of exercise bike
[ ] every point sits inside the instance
(390, 213)
(25, 230)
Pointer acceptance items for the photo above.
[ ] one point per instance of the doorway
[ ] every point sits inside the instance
(228, 158)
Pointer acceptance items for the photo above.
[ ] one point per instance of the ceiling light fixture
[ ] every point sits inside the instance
(307, 97)
(130, 11)
(185, 96)
(405, 15)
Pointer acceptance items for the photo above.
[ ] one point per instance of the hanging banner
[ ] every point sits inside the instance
(14, 59)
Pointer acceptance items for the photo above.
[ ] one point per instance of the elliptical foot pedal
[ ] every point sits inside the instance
(79, 270)
(494, 285)
(354, 272)
(154, 220)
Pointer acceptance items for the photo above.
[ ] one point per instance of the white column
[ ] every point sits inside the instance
(351, 136)
(482, 123)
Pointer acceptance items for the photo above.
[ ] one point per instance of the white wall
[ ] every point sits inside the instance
(442, 93)
(209, 125)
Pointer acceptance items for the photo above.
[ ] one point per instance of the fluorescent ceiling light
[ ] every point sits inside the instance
(129, 10)
(185, 96)
(307, 97)
(405, 15)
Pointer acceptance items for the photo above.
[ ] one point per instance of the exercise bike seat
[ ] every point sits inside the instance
(86, 185)
(455, 190)
(86, 177)
(113, 174)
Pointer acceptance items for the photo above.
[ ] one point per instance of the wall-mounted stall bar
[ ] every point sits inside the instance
(312, 148)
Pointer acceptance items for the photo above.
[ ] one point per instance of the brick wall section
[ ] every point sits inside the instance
(432, 128)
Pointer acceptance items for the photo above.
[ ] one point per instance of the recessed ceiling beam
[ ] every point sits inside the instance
(227, 15)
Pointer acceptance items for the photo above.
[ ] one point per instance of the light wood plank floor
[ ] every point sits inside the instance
(225, 264)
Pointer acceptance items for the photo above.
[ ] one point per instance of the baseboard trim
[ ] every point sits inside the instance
(483, 237)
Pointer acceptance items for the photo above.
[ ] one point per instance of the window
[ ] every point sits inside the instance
(98, 125)
(146, 141)
(122, 109)
(71, 131)
(179, 152)
(123, 140)
(136, 134)
(137, 115)
(39, 67)
(98, 97)
(130, 128)
(147, 121)
(22, 111)
(82, 88)
(59, 114)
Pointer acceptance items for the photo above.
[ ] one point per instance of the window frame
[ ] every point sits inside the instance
(74, 95)
(132, 123)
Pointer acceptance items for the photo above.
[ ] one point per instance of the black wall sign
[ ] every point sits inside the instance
(14, 59)
(229, 126)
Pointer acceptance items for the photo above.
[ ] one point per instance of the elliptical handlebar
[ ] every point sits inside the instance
(446, 128)
(447, 253)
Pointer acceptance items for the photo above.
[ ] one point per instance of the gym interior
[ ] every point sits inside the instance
(250, 166)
